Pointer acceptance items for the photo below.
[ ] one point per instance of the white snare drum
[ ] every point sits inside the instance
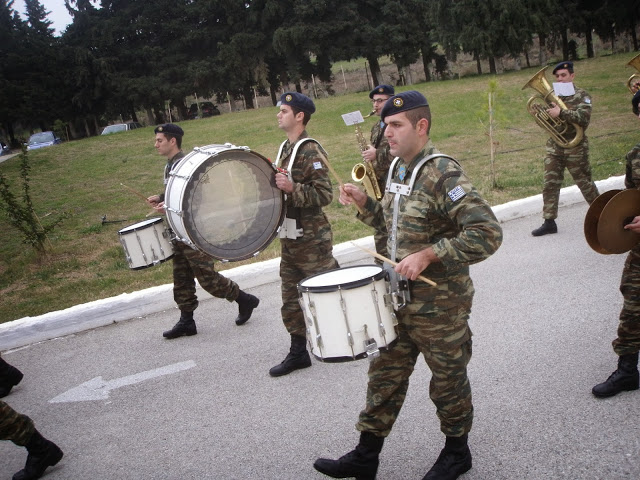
(346, 313)
(146, 243)
(223, 201)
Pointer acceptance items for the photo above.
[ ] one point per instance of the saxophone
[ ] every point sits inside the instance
(363, 172)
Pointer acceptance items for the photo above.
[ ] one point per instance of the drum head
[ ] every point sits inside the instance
(231, 206)
(344, 278)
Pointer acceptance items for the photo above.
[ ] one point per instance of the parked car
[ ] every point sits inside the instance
(42, 139)
(4, 148)
(120, 127)
(208, 109)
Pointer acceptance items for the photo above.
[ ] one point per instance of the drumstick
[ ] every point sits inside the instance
(340, 184)
(385, 259)
(135, 192)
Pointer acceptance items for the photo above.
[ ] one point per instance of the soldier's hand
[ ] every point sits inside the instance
(369, 155)
(634, 226)
(413, 265)
(153, 200)
(350, 194)
(283, 183)
(554, 112)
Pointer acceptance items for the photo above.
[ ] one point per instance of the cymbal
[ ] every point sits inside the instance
(592, 218)
(617, 213)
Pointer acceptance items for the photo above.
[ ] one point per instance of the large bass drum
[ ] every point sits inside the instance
(223, 201)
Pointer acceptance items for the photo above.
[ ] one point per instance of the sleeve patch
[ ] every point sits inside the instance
(317, 165)
(587, 101)
(456, 194)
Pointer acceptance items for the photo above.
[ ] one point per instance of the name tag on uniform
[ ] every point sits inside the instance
(317, 165)
(456, 194)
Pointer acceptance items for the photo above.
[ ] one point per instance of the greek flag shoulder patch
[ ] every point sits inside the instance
(456, 194)
(317, 165)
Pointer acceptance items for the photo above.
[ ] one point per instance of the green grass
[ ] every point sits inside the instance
(84, 177)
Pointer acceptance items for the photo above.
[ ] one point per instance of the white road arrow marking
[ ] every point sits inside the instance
(98, 389)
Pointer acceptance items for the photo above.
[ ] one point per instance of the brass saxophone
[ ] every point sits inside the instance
(635, 78)
(363, 172)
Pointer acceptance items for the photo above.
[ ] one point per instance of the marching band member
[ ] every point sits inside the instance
(442, 225)
(574, 159)
(189, 264)
(306, 238)
(627, 343)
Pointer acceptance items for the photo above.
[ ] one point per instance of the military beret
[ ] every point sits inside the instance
(635, 101)
(563, 66)
(169, 128)
(402, 102)
(299, 101)
(382, 90)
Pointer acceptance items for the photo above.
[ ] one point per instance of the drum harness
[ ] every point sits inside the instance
(400, 294)
(291, 226)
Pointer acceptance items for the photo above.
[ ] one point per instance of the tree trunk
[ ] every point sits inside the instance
(274, 95)
(478, 64)
(86, 128)
(634, 37)
(426, 62)
(492, 65)
(298, 86)
(150, 119)
(565, 44)
(376, 74)
(247, 93)
(589, 40)
(542, 53)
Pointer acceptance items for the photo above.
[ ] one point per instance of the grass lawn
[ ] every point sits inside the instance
(85, 177)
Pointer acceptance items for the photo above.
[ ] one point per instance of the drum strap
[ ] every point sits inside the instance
(294, 152)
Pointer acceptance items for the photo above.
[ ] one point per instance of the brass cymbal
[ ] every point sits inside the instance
(617, 213)
(593, 217)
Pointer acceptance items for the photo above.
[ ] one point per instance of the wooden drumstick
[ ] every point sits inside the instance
(135, 192)
(391, 262)
(340, 184)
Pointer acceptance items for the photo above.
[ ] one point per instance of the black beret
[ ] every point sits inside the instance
(382, 90)
(563, 66)
(402, 102)
(169, 128)
(635, 101)
(298, 100)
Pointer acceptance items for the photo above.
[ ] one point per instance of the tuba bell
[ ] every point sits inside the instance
(364, 172)
(634, 80)
(537, 106)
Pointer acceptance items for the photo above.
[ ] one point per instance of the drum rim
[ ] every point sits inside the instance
(343, 286)
(147, 222)
(347, 358)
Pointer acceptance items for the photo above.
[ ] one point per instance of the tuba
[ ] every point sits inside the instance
(537, 107)
(363, 172)
(635, 78)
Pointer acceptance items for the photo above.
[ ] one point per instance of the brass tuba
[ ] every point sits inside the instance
(537, 107)
(364, 172)
(635, 78)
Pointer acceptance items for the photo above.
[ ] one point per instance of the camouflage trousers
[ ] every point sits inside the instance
(14, 426)
(444, 339)
(628, 340)
(299, 261)
(576, 160)
(189, 264)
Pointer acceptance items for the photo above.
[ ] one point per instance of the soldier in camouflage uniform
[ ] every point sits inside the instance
(306, 239)
(18, 428)
(627, 344)
(443, 226)
(378, 153)
(575, 159)
(189, 264)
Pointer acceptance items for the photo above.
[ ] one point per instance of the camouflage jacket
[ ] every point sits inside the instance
(168, 167)
(311, 190)
(578, 110)
(632, 174)
(443, 211)
(383, 156)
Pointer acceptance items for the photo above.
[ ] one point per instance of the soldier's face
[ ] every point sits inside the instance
(378, 102)
(405, 140)
(563, 76)
(163, 145)
(286, 118)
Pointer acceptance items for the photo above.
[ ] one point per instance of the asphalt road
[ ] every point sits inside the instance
(204, 407)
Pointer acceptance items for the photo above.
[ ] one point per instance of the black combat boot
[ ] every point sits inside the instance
(185, 326)
(246, 304)
(43, 453)
(361, 463)
(453, 461)
(624, 378)
(297, 358)
(9, 377)
(549, 226)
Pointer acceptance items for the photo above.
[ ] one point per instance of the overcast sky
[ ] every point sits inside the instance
(59, 15)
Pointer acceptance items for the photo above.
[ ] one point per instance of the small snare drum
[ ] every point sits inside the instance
(146, 243)
(347, 313)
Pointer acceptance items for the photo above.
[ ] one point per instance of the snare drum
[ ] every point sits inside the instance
(347, 313)
(146, 243)
(223, 201)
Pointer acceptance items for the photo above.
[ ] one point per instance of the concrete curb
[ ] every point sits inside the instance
(28, 330)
